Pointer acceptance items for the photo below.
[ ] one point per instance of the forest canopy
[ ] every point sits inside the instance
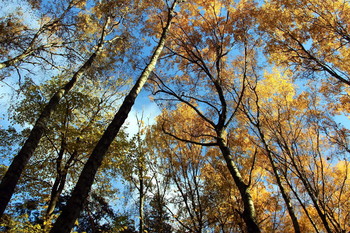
(253, 131)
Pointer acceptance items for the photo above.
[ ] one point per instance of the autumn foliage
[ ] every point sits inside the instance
(253, 134)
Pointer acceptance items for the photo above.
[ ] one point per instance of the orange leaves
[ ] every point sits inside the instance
(80, 4)
(210, 27)
(308, 34)
(110, 8)
(186, 124)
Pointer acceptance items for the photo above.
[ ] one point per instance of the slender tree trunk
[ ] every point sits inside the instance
(58, 187)
(55, 194)
(300, 202)
(70, 213)
(11, 177)
(141, 203)
(285, 196)
(15, 60)
(249, 215)
(310, 192)
(58, 184)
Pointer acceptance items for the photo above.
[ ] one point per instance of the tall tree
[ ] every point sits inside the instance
(66, 220)
(15, 170)
(211, 83)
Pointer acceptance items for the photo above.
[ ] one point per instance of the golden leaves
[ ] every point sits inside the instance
(186, 123)
(88, 24)
(276, 85)
(309, 34)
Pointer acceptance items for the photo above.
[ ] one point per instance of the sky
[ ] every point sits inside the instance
(143, 107)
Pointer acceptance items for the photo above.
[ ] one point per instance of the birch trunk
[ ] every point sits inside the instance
(249, 214)
(70, 213)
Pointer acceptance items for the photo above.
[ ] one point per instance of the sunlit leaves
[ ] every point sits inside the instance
(215, 86)
(309, 35)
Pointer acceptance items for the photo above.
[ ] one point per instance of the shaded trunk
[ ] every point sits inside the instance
(285, 195)
(58, 185)
(12, 175)
(9, 181)
(142, 204)
(71, 212)
(15, 60)
(310, 192)
(54, 198)
(249, 215)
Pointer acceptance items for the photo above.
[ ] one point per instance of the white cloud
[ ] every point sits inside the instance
(144, 108)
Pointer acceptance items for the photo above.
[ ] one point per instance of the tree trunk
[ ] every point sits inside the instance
(10, 179)
(285, 196)
(249, 215)
(70, 213)
(142, 204)
(58, 185)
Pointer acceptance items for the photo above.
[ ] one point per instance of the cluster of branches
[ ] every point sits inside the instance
(238, 147)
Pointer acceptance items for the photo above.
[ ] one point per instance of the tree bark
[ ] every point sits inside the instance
(285, 196)
(249, 215)
(142, 202)
(12, 175)
(58, 185)
(70, 213)
(57, 189)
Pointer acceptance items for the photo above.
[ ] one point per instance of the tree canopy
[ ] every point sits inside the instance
(253, 131)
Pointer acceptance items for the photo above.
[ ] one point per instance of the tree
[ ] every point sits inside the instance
(72, 131)
(210, 83)
(13, 173)
(65, 221)
(103, 24)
